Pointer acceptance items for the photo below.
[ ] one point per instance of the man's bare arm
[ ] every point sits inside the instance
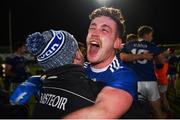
(110, 103)
(132, 57)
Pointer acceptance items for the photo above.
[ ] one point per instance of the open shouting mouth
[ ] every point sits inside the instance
(94, 47)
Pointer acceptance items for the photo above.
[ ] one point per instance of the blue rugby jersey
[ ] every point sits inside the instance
(172, 60)
(116, 75)
(18, 64)
(143, 68)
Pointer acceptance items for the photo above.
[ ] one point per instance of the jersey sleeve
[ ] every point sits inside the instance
(126, 80)
(9, 60)
(155, 50)
(124, 49)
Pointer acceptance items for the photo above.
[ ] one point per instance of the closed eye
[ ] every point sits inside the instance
(91, 28)
(104, 30)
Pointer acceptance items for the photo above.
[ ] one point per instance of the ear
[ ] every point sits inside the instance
(117, 43)
(78, 59)
(145, 36)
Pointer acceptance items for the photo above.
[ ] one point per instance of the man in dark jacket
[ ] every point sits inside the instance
(65, 87)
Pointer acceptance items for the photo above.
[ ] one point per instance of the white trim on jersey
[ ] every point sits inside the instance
(99, 70)
(114, 65)
(86, 64)
(69, 92)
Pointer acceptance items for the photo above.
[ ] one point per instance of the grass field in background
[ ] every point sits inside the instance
(174, 101)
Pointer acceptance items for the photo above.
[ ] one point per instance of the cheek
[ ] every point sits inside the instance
(107, 42)
(87, 38)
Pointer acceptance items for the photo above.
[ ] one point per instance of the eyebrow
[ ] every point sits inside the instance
(93, 24)
(104, 25)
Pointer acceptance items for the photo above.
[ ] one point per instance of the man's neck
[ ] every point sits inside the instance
(104, 63)
(98, 70)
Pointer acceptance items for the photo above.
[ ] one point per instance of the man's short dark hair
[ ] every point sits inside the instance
(144, 30)
(82, 48)
(114, 14)
(131, 37)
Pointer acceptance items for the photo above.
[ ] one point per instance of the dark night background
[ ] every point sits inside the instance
(28, 16)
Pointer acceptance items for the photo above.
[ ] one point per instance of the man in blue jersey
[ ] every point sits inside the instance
(131, 37)
(172, 73)
(104, 37)
(140, 55)
(16, 67)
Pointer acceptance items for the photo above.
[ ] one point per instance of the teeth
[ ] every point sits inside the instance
(94, 43)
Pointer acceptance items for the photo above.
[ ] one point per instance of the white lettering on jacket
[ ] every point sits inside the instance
(53, 101)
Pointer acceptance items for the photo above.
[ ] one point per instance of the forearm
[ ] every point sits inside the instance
(88, 112)
(94, 112)
(110, 103)
(130, 57)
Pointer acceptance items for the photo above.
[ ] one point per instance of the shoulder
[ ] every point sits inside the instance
(124, 78)
(128, 44)
(125, 74)
(86, 65)
(115, 65)
(151, 45)
(121, 71)
(10, 58)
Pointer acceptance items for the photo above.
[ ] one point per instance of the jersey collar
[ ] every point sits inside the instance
(95, 70)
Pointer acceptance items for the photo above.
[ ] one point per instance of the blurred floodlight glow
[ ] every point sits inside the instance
(103, 2)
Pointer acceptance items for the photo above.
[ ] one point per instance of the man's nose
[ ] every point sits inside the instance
(96, 33)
